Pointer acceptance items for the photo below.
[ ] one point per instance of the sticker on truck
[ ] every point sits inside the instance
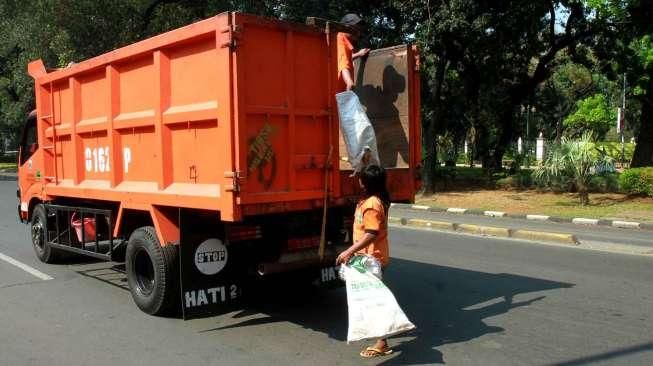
(211, 296)
(211, 256)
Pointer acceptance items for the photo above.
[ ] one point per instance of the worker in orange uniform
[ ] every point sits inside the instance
(371, 233)
(346, 55)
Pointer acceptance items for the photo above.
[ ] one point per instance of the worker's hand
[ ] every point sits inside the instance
(367, 156)
(349, 85)
(343, 257)
(361, 53)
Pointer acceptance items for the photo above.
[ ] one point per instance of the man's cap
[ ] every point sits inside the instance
(350, 19)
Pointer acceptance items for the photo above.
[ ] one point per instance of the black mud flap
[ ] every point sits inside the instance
(211, 274)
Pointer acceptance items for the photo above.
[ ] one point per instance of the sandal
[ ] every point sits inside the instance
(371, 352)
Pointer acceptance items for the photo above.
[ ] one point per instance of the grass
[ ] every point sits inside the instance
(609, 206)
(8, 167)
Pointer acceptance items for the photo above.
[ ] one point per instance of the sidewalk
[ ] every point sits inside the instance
(611, 209)
(531, 217)
(605, 238)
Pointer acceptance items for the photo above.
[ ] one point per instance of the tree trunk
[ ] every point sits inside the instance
(429, 132)
(584, 196)
(431, 158)
(643, 155)
(505, 138)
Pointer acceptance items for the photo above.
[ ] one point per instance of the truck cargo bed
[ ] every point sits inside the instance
(234, 114)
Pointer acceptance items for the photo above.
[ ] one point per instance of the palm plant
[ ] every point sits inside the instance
(573, 160)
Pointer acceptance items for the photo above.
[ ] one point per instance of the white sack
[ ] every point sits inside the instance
(373, 309)
(357, 130)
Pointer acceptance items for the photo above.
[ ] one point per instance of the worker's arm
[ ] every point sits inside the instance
(347, 78)
(362, 52)
(365, 241)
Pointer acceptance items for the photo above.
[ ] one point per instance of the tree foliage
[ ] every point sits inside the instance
(592, 114)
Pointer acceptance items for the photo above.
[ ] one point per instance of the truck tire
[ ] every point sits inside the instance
(152, 272)
(44, 251)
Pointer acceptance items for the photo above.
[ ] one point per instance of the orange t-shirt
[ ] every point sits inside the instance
(345, 49)
(371, 216)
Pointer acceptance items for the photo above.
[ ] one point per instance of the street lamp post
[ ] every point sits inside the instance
(528, 109)
(532, 110)
(622, 124)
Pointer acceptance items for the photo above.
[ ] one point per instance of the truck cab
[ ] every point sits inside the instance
(29, 166)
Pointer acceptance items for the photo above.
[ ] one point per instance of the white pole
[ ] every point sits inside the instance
(519, 145)
(539, 152)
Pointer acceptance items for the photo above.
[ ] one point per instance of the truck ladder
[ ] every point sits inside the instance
(49, 119)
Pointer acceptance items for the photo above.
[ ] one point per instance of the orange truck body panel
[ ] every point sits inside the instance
(234, 114)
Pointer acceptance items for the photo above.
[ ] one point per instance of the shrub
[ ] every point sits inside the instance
(604, 183)
(505, 183)
(525, 178)
(446, 175)
(613, 150)
(8, 158)
(638, 181)
(520, 180)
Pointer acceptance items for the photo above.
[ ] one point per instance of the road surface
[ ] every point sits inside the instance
(475, 301)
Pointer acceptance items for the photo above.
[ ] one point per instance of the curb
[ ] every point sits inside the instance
(561, 238)
(546, 236)
(8, 176)
(577, 220)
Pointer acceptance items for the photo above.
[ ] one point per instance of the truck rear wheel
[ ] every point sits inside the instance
(152, 272)
(38, 228)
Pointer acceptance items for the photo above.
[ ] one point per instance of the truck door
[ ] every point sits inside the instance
(387, 84)
(283, 115)
(28, 165)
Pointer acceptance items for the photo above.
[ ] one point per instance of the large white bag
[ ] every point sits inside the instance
(373, 309)
(357, 131)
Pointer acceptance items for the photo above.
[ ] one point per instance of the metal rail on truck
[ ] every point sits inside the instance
(65, 238)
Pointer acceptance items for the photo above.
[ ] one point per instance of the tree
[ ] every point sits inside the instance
(462, 39)
(592, 114)
(643, 155)
(481, 61)
(624, 47)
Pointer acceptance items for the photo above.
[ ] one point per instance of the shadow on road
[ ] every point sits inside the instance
(448, 305)
(644, 347)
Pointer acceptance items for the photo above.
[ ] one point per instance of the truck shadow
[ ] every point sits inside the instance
(448, 305)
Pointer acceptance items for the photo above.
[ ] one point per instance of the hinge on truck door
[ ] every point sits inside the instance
(236, 177)
(233, 33)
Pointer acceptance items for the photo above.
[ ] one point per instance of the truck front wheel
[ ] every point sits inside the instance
(152, 272)
(38, 227)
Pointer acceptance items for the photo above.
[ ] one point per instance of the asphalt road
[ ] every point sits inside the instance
(475, 301)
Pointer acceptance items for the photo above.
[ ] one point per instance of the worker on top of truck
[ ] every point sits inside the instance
(346, 55)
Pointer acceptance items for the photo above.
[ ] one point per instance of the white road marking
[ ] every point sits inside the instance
(34, 272)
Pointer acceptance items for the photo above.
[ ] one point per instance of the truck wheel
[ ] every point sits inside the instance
(152, 272)
(43, 250)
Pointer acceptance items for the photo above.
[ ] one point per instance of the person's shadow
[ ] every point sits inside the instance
(387, 108)
(448, 305)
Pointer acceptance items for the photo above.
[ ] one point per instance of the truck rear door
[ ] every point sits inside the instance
(387, 84)
(283, 121)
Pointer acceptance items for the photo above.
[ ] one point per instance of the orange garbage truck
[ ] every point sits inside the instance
(208, 155)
